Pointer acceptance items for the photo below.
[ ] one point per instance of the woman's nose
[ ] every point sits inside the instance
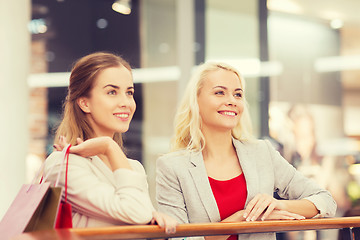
(123, 100)
(231, 101)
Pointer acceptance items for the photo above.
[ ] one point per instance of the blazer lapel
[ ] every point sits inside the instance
(247, 158)
(201, 181)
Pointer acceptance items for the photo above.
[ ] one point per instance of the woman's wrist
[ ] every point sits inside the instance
(236, 217)
(282, 205)
(116, 156)
(108, 145)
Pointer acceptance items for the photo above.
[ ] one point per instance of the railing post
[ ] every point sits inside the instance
(346, 234)
(356, 232)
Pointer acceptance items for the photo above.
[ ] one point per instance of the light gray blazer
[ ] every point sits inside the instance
(183, 189)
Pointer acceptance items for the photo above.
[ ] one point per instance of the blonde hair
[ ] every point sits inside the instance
(83, 75)
(188, 133)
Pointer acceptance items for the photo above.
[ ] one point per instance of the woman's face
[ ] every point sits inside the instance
(111, 104)
(220, 101)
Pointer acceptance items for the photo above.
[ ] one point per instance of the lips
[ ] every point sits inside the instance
(228, 113)
(122, 116)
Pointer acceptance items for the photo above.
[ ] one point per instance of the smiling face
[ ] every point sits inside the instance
(111, 105)
(220, 101)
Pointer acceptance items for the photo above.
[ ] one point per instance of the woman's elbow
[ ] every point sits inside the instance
(332, 209)
(139, 215)
(327, 207)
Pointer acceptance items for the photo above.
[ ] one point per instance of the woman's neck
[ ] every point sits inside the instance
(217, 145)
(220, 158)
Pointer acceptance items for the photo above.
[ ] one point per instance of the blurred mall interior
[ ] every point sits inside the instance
(300, 59)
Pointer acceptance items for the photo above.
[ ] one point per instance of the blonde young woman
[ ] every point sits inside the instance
(218, 172)
(105, 188)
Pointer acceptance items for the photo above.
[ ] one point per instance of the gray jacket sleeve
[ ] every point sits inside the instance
(292, 184)
(169, 195)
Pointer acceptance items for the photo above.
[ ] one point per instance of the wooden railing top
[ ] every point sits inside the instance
(185, 230)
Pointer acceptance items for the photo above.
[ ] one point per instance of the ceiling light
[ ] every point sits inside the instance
(37, 26)
(122, 6)
(336, 23)
(287, 6)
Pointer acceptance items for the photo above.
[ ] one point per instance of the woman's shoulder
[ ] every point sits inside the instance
(176, 159)
(253, 143)
(60, 154)
(136, 165)
(258, 146)
(57, 157)
(176, 155)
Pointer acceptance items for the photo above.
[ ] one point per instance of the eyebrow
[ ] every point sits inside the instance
(225, 88)
(116, 87)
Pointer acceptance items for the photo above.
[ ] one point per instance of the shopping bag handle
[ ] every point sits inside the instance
(65, 151)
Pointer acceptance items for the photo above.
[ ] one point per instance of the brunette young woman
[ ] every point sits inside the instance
(218, 171)
(104, 187)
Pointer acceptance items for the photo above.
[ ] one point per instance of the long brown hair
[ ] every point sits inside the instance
(83, 75)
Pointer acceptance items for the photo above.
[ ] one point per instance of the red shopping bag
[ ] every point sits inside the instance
(64, 218)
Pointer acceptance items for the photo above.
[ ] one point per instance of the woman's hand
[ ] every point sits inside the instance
(164, 221)
(264, 205)
(104, 147)
(90, 147)
(282, 215)
(261, 204)
(61, 145)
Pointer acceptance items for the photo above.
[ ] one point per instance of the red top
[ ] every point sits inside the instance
(230, 196)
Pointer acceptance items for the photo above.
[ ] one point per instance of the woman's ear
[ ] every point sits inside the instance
(83, 103)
